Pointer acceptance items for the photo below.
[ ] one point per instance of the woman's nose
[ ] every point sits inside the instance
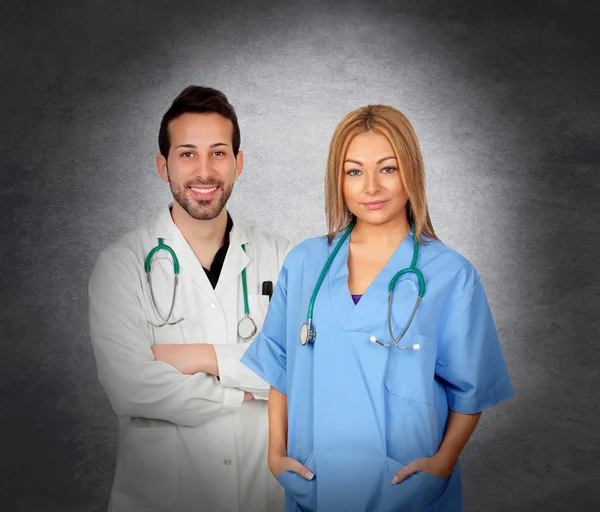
(372, 184)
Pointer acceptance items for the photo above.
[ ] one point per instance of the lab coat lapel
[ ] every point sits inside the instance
(189, 264)
(236, 259)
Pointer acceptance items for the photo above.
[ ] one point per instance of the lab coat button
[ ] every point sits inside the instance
(213, 305)
(227, 461)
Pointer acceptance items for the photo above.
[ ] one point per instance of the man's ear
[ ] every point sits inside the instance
(239, 164)
(161, 166)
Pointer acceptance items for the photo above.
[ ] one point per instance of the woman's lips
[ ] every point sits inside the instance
(374, 205)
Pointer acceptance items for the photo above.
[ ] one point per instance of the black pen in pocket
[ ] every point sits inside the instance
(267, 289)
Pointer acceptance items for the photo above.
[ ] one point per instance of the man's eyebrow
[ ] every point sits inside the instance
(193, 146)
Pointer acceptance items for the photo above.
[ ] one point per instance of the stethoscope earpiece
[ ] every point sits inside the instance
(416, 346)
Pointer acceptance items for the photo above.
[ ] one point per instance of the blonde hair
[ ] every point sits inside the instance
(397, 128)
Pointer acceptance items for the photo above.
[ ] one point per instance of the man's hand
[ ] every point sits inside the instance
(188, 358)
(436, 465)
(279, 464)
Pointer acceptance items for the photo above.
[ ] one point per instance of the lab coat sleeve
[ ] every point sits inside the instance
(236, 375)
(136, 384)
(469, 357)
(233, 374)
(266, 355)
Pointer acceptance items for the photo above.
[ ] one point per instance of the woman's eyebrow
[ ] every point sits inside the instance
(378, 161)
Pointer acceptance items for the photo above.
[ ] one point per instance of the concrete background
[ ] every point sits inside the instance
(504, 98)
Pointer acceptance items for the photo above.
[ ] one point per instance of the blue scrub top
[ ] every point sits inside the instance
(357, 411)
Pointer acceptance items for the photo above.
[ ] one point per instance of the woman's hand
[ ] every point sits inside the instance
(277, 458)
(437, 465)
(459, 429)
(280, 463)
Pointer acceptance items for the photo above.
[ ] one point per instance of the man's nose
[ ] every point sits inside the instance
(203, 167)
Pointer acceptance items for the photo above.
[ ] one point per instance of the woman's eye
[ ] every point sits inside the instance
(353, 172)
(388, 170)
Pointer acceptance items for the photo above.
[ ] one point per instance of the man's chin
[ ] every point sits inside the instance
(202, 209)
(209, 211)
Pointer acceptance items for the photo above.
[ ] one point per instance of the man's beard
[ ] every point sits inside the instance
(197, 208)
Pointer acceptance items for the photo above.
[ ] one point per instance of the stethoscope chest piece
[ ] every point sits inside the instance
(308, 333)
(247, 328)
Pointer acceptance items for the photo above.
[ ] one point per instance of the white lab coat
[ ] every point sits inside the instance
(186, 442)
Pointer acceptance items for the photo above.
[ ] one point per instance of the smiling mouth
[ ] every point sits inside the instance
(204, 190)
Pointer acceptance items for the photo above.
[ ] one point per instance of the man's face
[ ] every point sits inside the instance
(201, 167)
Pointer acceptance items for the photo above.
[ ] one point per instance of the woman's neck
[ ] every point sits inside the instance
(388, 234)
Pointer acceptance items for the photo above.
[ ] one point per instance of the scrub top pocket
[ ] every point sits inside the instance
(410, 373)
(303, 491)
(414, 494)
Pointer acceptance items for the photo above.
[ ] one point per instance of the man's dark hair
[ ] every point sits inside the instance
(198, 100)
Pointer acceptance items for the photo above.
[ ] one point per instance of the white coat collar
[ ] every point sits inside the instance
(235, 260)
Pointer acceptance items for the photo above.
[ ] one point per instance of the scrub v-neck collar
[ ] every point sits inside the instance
(366, 314)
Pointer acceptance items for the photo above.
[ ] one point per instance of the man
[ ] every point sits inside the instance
(193, 428)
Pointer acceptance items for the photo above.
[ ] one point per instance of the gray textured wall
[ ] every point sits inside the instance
(504, 98)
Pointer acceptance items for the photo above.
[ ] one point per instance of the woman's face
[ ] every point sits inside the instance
(371, 184)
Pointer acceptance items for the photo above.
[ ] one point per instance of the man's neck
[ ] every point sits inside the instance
(205, 237)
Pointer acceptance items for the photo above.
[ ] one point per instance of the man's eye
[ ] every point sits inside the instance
(187, 154)
(219, 153)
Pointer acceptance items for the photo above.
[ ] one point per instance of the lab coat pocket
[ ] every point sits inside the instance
(303, 491)
(258, 306)
(410, 373)
(414, 494)
(147, 469)
(189, 330)
(167, 334)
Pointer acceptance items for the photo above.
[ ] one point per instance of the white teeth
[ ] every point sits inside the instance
(204, 190)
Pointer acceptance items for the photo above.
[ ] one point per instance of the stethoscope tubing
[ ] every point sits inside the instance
(308, 332)
(166, 320)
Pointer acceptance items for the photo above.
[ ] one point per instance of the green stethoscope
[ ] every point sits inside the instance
(308, 333)
(246, 326)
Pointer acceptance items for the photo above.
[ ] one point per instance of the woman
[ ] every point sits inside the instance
(355, 425)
